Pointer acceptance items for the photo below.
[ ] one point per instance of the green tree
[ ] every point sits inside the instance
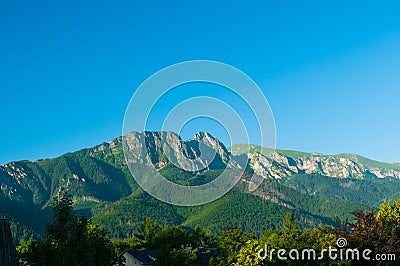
(71, 240)
(148, 230)
(22, 248)
(291, 232)
(318, 238)
(121, 245)
(200, 238)
(164, 255)
(292, 237)
(175, 236)
(390, 214)
(177, 257)
(170, 240)
(248, 254)
(229, 243)
(185, 257)
(375, 230)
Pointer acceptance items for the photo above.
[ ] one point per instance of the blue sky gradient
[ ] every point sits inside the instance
(329, 69)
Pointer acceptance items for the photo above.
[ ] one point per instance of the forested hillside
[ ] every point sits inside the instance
(308, 185)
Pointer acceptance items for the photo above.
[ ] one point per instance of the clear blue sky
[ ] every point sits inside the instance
(330, 69)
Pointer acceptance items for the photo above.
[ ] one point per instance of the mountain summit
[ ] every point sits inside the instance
(284, 163)
(91, 172)
(103, 188)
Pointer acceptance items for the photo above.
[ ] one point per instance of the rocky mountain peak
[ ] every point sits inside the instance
(281, 164)
(100, 167)
(200, 153)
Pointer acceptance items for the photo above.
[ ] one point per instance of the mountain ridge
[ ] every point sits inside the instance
(288, 162)
(108, 157)
(289, 153)
(103, 187)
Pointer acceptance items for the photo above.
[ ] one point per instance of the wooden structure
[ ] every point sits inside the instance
(8, 254)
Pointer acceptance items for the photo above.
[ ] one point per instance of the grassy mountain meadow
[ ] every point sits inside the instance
(313, 187)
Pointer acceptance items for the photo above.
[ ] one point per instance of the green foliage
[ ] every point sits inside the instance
(149, 230)
(173, 236)
(291, 232)
(228, 244)
(121, 245)
(183, 257)
(123, 218)
(292, 237)
(200, 238)
(267, 207)
(169, 240)
(247, 255)
(71, 240)
(378, 231)
(167, 256)
(104, 190)
(164, 257)
(390, 214)
(346, 189)
(22, 248)
(239, 249)
(188, 179)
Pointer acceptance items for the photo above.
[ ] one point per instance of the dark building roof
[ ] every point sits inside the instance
(147, 257)
(143, 256)
(212, 250)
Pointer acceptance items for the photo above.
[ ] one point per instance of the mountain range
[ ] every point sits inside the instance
(314, 187)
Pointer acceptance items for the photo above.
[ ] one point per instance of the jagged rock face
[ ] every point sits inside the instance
(276, 165)
(13, 177)
(10, 177)
(100, 168)
(267, 167)
(90, 170)
(203, 152)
